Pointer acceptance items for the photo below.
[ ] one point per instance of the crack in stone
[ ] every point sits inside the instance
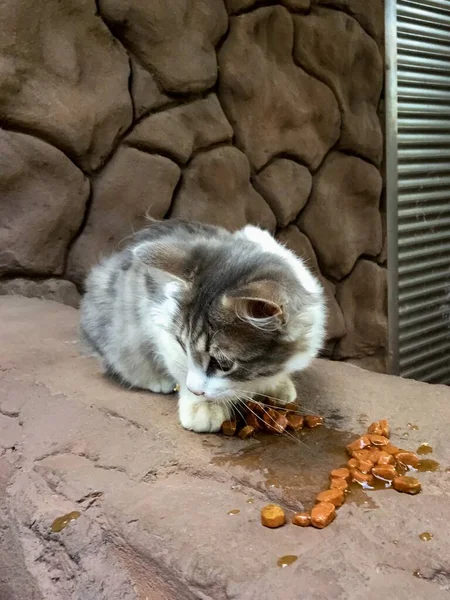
(77, 234)
(29, 130)
(112, 414)
(13, 414)
(349, 14)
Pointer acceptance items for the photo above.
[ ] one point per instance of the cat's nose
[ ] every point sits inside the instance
(194, 391)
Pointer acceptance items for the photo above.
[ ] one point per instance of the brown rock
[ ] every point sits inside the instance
(363, 299)
(333, 46)
(145, 91)
(297, 241)
(370, 15)
(175, 41)
(286, 186)
(235, 6)
(133, 185)
(273, 105)
(216, 189)
(43, 198)
(58, 290)
(182, 130)
(342, 219)
(65, 78)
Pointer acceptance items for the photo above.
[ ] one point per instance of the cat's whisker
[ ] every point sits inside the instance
(285, 432)
(279, 400)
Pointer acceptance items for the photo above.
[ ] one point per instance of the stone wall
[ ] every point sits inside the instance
(229, 112)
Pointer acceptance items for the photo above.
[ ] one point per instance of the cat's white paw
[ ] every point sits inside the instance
(161, 384)
(202, 417)
(283, 391)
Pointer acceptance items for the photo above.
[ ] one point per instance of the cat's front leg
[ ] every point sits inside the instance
(197, 414)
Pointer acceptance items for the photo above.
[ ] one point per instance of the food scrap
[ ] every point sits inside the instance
(268, 417)
(374, 462)
(273, 516)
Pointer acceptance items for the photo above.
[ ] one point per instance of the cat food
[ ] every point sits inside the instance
(323, 514)
(372, 458)
(380, 428)
(385, 459)
(334, 496)
(378, 440)
(385, 472)
(229, 427)
(302, 519)
(312, 421)
(269, 418)
(294, 421)
(344, 473)
(408, 459)
(364, 479)
(273, 516)
(407, 485)
(339, 483)
(246, 432)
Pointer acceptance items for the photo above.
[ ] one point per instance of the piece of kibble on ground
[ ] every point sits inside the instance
(272, 516)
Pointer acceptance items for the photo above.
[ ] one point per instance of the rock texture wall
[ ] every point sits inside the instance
(226, 111)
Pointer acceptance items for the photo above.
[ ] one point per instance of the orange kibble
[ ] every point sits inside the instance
(408, 459)
(272, 516)
(253, 421)
(385, 458)
(246, 432)
(323, 514)
(385, 472)
(302, 519)
(353, 463)
(335, 496)
(365, 466)
(363, 479)
(359, 444)
(342, 472)
(339, 483)
(362, 454)
(380, 428)
(407, 485)
(378, 440)
(312, 421)
(229, 427)
(294, 421)
(390, 449)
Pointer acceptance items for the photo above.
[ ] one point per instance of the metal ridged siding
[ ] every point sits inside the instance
(423, 189)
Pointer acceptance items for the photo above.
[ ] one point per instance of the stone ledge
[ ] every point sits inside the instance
(160, 529)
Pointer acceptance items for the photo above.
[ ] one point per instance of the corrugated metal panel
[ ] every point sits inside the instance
(418, 98)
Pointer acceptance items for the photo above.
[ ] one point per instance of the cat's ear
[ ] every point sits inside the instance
(260, 304)
(167, 261)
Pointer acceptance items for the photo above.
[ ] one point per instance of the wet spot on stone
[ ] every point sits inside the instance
(424, 449)
(61, 522)
(285, 561)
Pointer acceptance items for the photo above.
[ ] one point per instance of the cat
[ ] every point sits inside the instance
(223, 315)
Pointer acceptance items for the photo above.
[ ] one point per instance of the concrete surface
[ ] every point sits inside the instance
(160, 528)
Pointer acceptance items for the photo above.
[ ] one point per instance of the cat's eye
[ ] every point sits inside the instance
(181, 344)
(220, 365)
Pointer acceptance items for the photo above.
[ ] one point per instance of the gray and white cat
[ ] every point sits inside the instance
(224, 315)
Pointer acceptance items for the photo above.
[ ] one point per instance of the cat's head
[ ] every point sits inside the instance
(242, 315)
